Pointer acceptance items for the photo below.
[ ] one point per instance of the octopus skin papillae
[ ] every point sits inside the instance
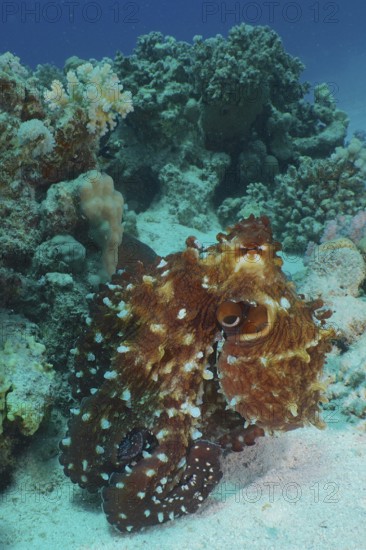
(194, 354)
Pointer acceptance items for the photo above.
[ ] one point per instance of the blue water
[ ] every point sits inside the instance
(328, 36)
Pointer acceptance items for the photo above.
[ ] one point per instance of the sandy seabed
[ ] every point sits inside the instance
(302, 490)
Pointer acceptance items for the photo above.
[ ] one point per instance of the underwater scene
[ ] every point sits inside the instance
(182, 275)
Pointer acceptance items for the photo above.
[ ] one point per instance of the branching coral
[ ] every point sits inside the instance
(95, 89)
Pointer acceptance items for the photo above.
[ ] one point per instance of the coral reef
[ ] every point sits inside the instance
(97, 91)
(337, 268)
(231, 106)
(221, 127)
(347, 390)
(48, 262)
(335, 271)
(26, 383)
(304, 200)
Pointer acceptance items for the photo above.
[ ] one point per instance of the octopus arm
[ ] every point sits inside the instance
(154, 492)
(89, 452)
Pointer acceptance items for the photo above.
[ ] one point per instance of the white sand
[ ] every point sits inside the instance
(302, 490)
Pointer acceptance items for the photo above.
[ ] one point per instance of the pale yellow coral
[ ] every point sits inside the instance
(103, 206)
(26, 379)
(96, 89)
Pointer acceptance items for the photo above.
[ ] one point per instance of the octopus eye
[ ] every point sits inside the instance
(229, 314)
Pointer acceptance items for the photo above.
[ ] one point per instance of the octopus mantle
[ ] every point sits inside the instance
(197, 352)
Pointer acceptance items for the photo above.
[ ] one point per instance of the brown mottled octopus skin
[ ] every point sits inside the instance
(175, 358)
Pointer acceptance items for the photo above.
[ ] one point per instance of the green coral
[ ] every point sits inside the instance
(303, 199)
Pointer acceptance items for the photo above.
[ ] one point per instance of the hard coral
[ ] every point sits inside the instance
(26, 378)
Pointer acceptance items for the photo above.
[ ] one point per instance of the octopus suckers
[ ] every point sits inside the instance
(188, 367)
(285, 303)
(162, 434)
(207, 374)
(161, 517)
(196, 434)
(110, 374)
(113, 287)
(157, 328)
(162, 457)
(182, 313)
(188, 339)
(105, 424)
(126, 395)
(123, 349)
(292, 407)
(183, 461)
(192, 410)
(162, 263)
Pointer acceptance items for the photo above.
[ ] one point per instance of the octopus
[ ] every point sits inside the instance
(185, 358)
